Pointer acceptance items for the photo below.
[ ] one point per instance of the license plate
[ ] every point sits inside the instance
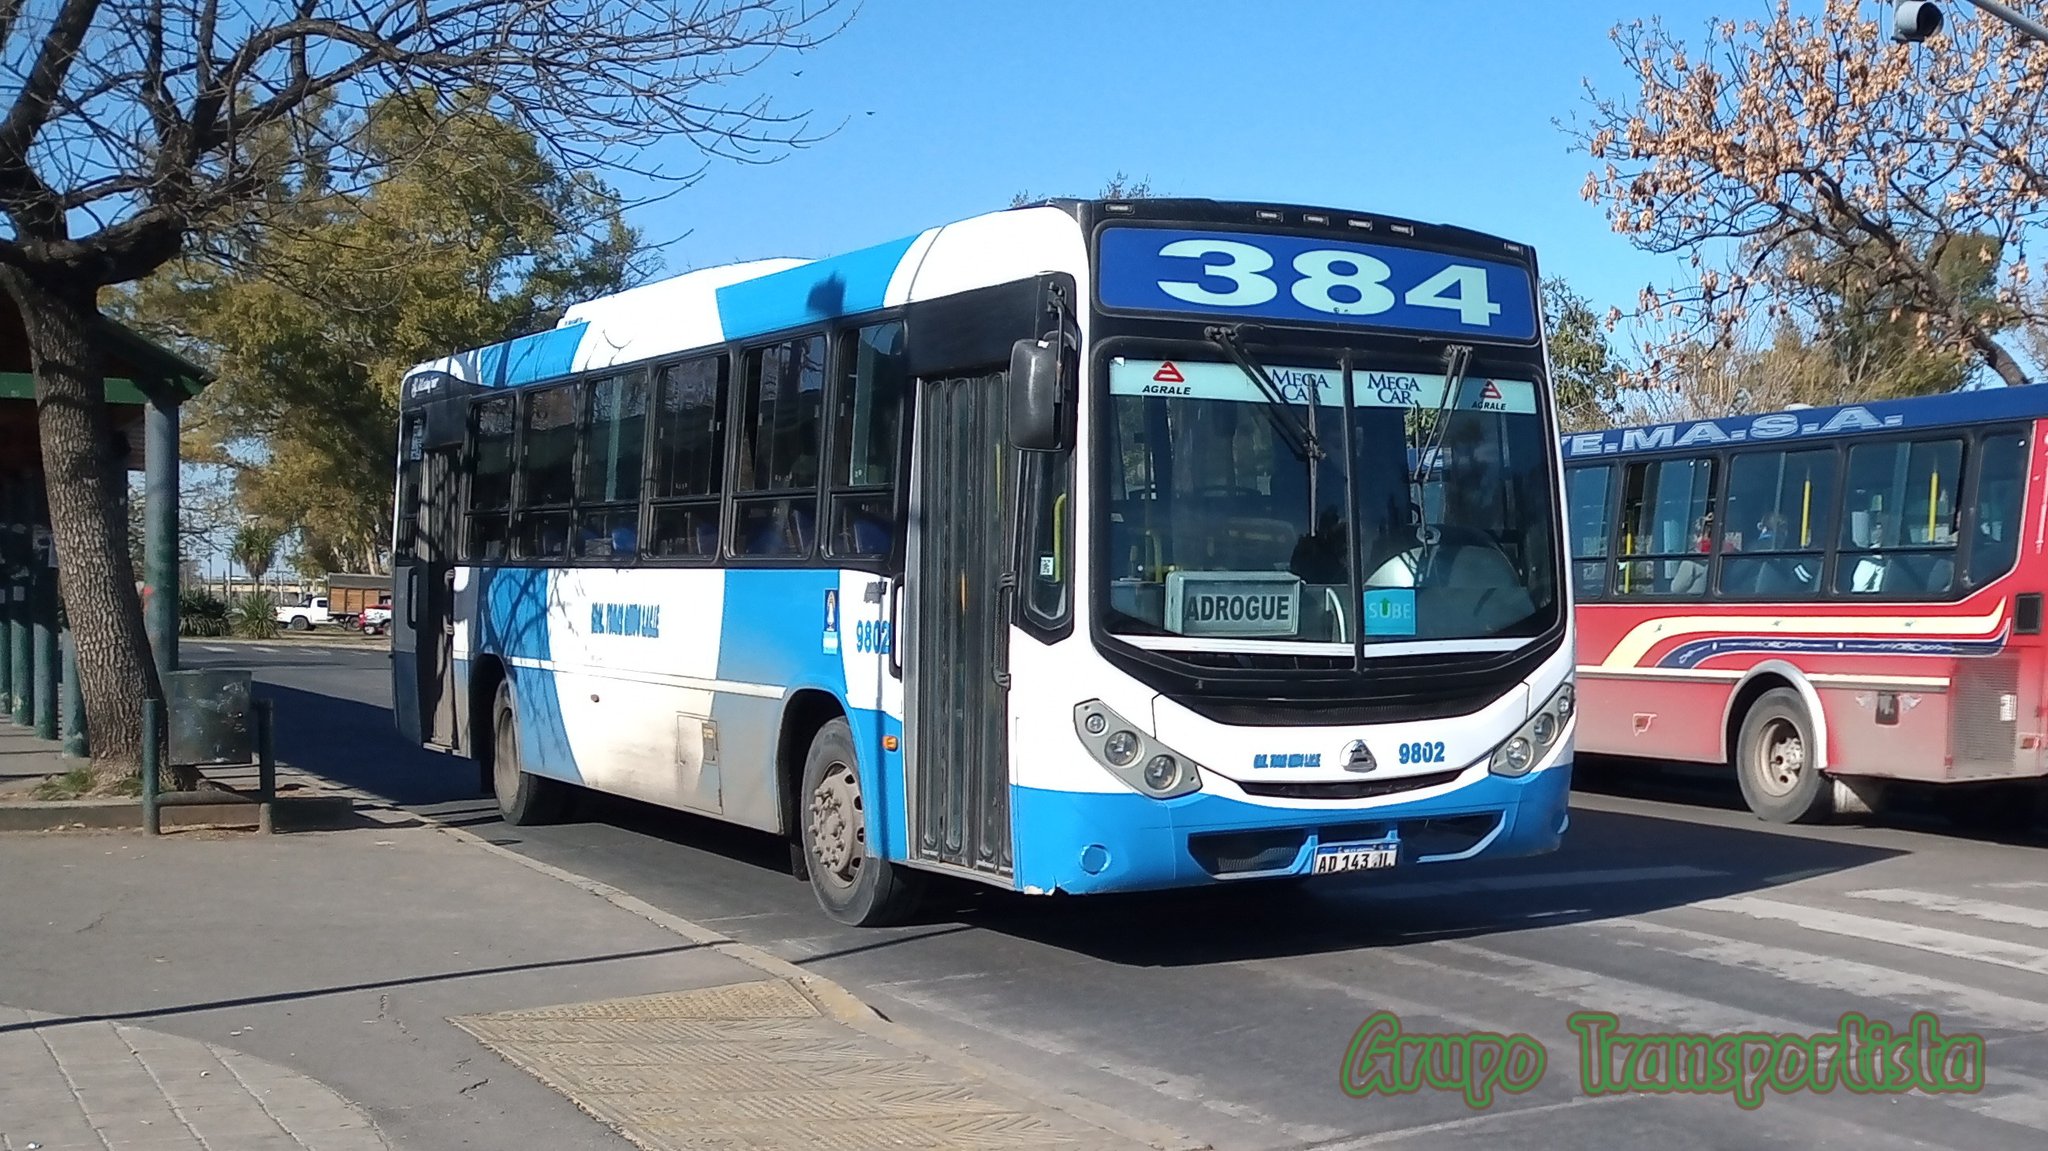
(1335, 858)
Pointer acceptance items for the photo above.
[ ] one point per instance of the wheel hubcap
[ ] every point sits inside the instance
(838, 834)
(1782, 757)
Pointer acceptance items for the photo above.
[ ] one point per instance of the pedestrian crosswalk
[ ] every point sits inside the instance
(1786, 960)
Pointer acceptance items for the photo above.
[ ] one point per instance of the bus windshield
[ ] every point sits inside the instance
(1436, 516)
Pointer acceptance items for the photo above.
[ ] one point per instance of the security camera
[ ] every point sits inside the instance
(1913, 21)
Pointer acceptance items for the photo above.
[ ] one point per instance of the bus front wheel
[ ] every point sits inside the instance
(1776, 761)
(853, 883)
(524, 798)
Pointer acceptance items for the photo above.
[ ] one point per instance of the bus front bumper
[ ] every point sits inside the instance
(1083, 843)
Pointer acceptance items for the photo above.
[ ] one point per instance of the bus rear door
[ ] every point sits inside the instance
(424, 695)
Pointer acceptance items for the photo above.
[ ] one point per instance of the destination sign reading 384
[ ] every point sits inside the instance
(1314, 279)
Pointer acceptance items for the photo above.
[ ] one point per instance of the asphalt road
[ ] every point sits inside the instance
(1226, 1014)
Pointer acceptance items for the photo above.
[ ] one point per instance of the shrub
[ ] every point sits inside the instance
(202, 614)
(255, 615)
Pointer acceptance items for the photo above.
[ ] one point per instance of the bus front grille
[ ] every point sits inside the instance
(1242, 852)
(1349, 788)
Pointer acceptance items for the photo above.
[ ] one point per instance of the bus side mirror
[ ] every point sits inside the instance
(1034, 423)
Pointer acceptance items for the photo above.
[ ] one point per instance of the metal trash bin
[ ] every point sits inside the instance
(209, 717)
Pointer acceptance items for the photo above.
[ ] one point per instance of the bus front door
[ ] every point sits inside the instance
(424, 692)
(956, 682)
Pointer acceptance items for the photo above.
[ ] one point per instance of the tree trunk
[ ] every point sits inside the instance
(87, 517)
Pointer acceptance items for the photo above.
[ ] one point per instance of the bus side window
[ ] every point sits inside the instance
(1050, 561)
(1774, 538)
(1592, 522)
(490, 483)
(1898, 537)
(782, 408)
(613, 438)
(689, 459)
(2001, 492)
(1667, 528)
(868, 406)
(547, 474)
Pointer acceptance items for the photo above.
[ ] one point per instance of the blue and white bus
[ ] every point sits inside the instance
(1079, 547)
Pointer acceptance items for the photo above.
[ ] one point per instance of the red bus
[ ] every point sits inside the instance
(1831, 601)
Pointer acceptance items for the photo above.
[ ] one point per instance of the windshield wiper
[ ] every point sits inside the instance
(1457, 361)
(1300, 435)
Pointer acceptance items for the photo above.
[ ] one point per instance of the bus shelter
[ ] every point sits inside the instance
(145, 387)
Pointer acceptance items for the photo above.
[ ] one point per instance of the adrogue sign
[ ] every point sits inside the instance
(1233, 603)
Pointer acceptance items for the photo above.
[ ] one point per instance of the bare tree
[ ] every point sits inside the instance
(139, 126)
(1817, 174)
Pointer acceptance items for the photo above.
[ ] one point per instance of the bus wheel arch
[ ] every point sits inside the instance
(1764, 677)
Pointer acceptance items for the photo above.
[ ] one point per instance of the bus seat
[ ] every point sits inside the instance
(804, 521)
(707, 537)
(1688, 577)
(871, 535)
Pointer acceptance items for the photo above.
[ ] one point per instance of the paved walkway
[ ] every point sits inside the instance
(67, 1085)
(409, 987)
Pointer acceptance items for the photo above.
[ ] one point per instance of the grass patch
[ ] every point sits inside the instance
(79, 783)
(75, 784)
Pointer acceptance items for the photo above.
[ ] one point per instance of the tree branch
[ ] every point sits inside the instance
(32, 104)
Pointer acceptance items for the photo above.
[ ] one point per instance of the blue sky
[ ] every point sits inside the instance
(1440, 110)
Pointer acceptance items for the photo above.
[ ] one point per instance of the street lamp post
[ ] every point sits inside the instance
(1915, 20)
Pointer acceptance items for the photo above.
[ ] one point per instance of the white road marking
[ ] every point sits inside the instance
(1534, 881)
(1934, 940)
(1983, 909)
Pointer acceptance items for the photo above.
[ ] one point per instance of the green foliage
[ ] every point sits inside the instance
(1876, 333)
(255, 548)
(1583, 366)
(255, 615)
(1120, 187)
(471, 236)
(201, 613)
(73, 784)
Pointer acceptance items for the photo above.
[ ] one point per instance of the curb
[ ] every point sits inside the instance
(289, 813)
(845, 1007)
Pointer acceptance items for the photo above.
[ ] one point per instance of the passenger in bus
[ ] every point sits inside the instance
(1868, 575)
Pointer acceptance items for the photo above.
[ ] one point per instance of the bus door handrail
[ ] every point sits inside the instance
(896, 629)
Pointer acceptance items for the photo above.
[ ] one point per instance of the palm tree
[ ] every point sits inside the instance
(255, 548)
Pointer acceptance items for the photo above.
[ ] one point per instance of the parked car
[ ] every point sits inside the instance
(375, 620)
(304, 616)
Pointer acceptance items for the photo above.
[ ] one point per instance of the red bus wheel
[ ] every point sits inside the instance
(1777, 761)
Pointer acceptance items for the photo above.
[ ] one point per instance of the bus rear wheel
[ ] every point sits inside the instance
(524, 799)
(853, 883)
(1776, 764)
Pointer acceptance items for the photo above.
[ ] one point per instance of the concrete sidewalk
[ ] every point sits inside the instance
(412, 988)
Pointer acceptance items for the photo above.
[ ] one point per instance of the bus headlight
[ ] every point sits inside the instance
(1520, 751)
(1121, 748)
(1144, 763)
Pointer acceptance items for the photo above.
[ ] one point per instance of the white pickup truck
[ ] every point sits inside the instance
(302, 616)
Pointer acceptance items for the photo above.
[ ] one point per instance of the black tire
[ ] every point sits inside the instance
(301, 623)
(852, 884)
(524, 799)
(1775, 761)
